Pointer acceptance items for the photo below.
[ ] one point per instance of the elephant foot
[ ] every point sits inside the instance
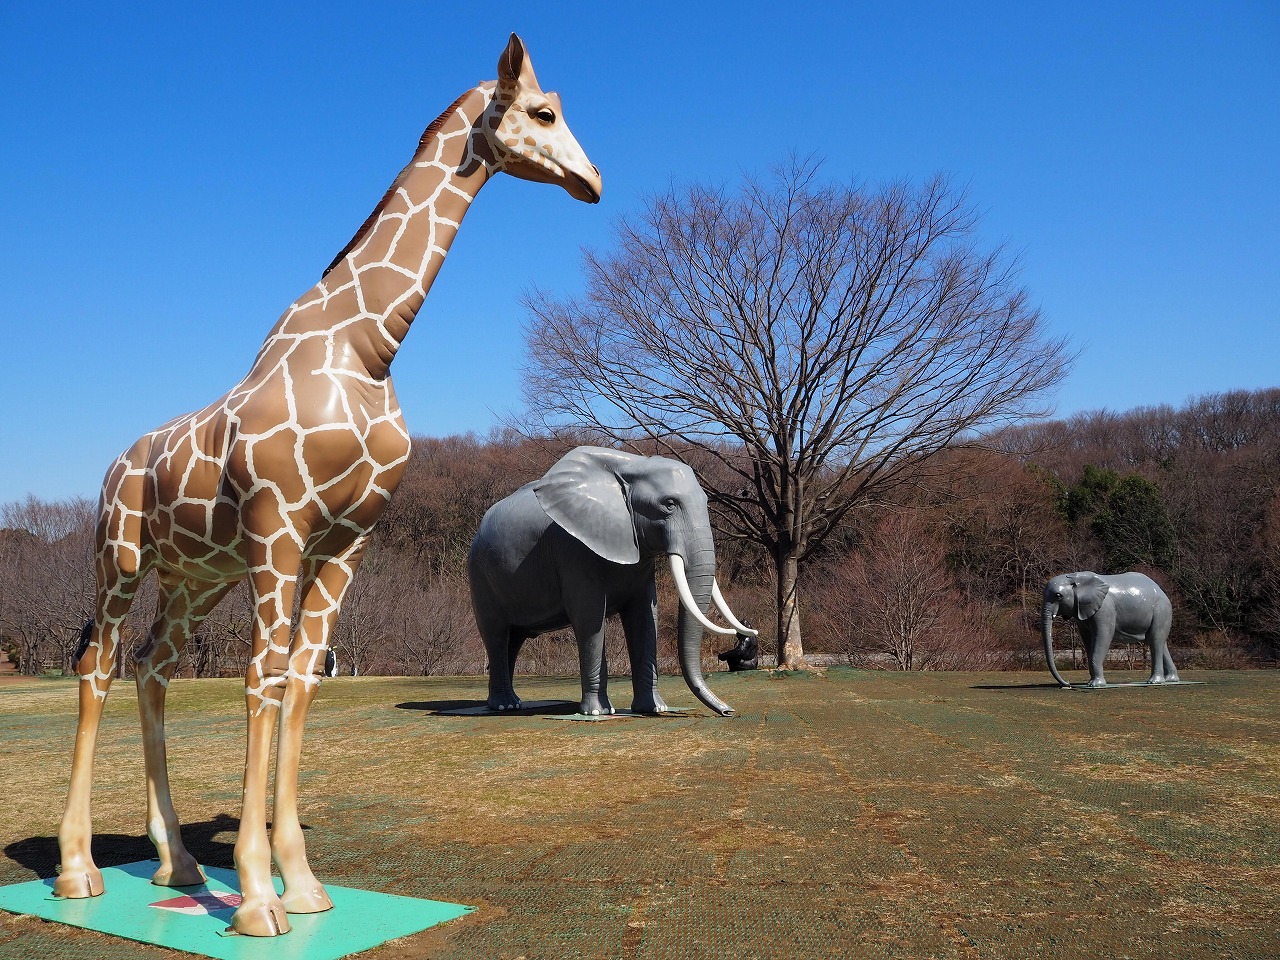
(504, 703)
(306, 899)
(182, 872)
(1097, 682)
(595, 705)
(79, 883)
(260, 917)
(652, 704)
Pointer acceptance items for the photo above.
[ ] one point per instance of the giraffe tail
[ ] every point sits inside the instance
(86, 633)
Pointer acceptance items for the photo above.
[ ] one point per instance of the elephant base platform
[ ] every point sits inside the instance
(194, 918)
(1134, 683)
(526, 707)
(557, 710)
(625, 715)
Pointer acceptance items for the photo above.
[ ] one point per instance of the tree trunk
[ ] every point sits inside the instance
(790, 645)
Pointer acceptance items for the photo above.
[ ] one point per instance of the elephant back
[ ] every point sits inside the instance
(509, 531)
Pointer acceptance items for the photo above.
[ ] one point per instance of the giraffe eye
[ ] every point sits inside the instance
(545, 115)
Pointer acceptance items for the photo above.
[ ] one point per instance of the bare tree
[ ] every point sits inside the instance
(46, 568)
(437, 632)
(897, 603)
(822, 342)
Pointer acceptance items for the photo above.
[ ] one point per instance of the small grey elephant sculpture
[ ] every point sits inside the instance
(582, 544)
(1126, 606)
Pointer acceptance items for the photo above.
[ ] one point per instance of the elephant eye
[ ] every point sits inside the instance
(671, 503)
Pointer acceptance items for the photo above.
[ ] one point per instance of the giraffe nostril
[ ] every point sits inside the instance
(595, 170)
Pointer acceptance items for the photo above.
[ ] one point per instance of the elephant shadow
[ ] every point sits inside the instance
(40, 854)
(1015, 686)
(474, 708)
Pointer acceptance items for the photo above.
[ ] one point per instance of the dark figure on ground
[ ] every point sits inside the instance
(745, 656)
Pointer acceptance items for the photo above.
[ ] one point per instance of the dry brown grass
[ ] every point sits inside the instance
(845, 814)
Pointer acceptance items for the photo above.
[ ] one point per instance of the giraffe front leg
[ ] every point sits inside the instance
(181, 609)
(323, 590)
(261, 913)
(303, 893)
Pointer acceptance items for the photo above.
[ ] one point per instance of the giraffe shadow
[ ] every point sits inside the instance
(211, 842)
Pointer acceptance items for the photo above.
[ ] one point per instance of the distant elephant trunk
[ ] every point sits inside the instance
(1046, 628)
(695, 593)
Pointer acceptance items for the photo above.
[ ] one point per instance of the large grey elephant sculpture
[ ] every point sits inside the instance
(583, 543)
(1127, 606)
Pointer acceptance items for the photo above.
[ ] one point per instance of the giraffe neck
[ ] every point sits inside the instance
(363, 306)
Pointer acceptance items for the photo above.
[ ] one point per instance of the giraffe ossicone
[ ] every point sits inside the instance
(280, 481)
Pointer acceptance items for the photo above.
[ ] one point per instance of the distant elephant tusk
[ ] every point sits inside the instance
(686, 596)
(723, 607)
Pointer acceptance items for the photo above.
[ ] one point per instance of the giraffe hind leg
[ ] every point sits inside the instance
(118, 576)
(181, 608)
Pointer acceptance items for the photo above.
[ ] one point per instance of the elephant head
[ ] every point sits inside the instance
(628, 508)
(1077, 596)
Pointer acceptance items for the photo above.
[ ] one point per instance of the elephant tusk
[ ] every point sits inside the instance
(723, 607)
(686, 596)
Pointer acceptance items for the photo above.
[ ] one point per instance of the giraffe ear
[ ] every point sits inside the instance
(514, 68)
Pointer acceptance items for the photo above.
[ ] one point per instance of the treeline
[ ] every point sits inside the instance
(950, 575)
(944, 574)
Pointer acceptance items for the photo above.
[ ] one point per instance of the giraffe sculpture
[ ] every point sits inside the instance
(280, 482)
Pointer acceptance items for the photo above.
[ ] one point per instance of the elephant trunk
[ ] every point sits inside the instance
(694, 588)
(1046, 628)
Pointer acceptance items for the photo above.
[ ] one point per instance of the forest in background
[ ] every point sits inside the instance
(944, 573)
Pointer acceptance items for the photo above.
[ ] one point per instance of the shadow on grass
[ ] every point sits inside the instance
(475, 708)
(435, 706)
(40, 854)
(1051, 685)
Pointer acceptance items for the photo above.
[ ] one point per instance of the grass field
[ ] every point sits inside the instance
(854, 814)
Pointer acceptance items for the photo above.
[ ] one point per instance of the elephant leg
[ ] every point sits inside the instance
(640, 626)
(588, 629)
(497, 635)
(515, 643)
(1162, 668)
(1098, 644)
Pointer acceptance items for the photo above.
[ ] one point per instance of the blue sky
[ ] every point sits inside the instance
(176, 174)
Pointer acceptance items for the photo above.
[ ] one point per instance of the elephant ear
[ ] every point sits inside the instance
(1090, 590)
(585, 494)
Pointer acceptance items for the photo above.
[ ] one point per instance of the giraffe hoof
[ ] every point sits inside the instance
(182, 874)
(259, 918)
(313, 900)
(79, 884)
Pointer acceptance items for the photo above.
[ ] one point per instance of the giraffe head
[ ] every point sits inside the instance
(527, 132)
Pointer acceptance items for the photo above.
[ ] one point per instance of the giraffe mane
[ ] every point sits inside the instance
(427, 136)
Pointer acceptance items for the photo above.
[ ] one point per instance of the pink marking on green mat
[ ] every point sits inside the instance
(194, 918)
